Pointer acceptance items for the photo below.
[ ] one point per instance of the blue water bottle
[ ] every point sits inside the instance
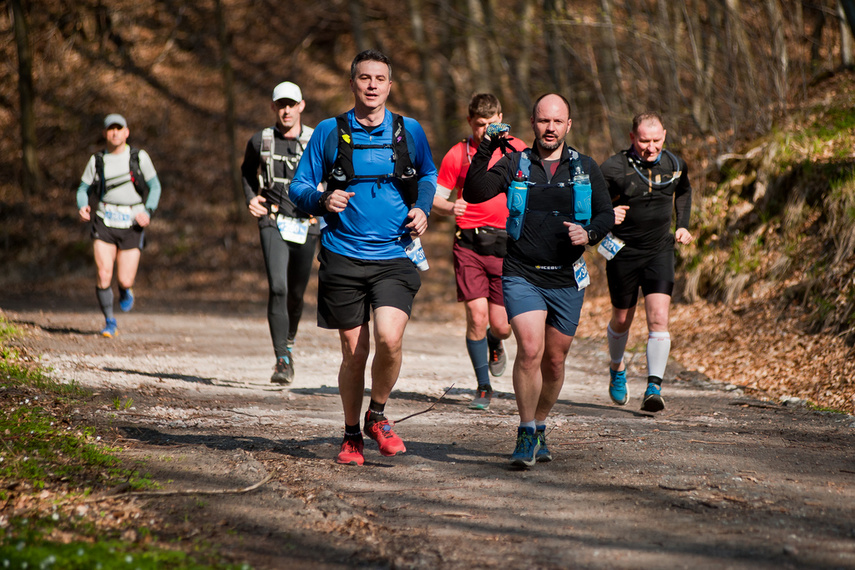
(517, 199)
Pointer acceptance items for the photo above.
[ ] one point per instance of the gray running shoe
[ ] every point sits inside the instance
(482, 398)
(498, 360)
(283, 373)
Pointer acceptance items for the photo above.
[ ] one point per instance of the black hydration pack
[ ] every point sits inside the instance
(342, 172)
(99, 187)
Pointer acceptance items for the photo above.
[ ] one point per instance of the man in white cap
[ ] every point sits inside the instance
(288, 235)
(118, 193)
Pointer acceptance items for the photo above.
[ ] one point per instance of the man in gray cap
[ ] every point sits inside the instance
(288, 235)
(118, 193)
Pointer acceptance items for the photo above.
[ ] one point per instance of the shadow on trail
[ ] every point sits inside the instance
(59, 330)
(161, 376)
(307, 448)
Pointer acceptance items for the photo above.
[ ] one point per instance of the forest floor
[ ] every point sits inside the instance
(718, 479)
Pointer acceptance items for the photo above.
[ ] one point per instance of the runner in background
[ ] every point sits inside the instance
(649, 183)
(480, 243)
(118, 193)
(289, 236)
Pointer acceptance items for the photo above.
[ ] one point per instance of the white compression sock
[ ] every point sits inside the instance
(617, 344)
(658, 348)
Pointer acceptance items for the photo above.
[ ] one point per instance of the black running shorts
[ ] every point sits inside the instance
(130, 238)
(348, 288)
(629, 270)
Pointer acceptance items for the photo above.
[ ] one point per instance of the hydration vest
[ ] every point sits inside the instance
(676, 173)
(580, 183)
(267, 155)
(342, 172)
(137, 178)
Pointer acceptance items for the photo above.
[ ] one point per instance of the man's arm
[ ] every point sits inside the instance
(482, 183)
(249, 170)
(311, 171)
(423, 163)
(601, 205)
(683, 198)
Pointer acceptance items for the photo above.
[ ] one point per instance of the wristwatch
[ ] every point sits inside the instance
(592, 237)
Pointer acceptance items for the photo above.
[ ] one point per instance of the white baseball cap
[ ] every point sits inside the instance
(114, 119)
(287, 90)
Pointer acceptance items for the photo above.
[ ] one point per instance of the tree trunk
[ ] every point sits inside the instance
(779, 51)
(848, 9)
(749, 71)
(30, 174)
(610, 81)
(846, 30)
(229, 94)
(424, 50)
(556, 56)
(476, 55)
(357, 24)
(704, 46)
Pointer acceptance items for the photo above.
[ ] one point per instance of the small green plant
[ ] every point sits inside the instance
(119, 405)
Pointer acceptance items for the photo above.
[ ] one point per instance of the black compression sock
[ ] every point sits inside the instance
(654, 380)
(352, 432)
(377, 408)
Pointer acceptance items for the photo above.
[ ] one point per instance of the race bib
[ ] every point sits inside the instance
(294, 230)
(119, 217)
(610, 245)
(580, 272)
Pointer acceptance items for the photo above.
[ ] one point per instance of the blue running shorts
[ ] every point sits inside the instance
(563, 306)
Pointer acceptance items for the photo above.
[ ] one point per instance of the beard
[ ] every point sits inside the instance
(549, 146)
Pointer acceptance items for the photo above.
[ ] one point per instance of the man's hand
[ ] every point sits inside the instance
(578, 234)
(683, 236)
(337, 200)
(257, 208)
(85, 213)
(142, 219)
(459, 207)
(620, 214)
(419, 222)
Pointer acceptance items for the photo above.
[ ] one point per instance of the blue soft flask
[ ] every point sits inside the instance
(517, 198)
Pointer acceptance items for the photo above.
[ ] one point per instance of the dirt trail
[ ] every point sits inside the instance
(716, 480)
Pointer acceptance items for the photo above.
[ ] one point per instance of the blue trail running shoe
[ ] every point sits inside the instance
(111, 329)
(543, 455)
(126, 300)
(525, 453)
(618, 391)
(653, 401)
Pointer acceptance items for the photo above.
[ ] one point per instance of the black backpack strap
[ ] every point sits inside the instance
(342, 171)
(137, 176)
(404, 169)
(99, 186)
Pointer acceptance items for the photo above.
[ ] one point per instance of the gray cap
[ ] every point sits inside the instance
(114, 119)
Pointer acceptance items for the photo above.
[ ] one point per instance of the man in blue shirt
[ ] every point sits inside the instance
(381, 180)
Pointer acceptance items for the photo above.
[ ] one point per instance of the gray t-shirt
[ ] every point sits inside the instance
(117, 172)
